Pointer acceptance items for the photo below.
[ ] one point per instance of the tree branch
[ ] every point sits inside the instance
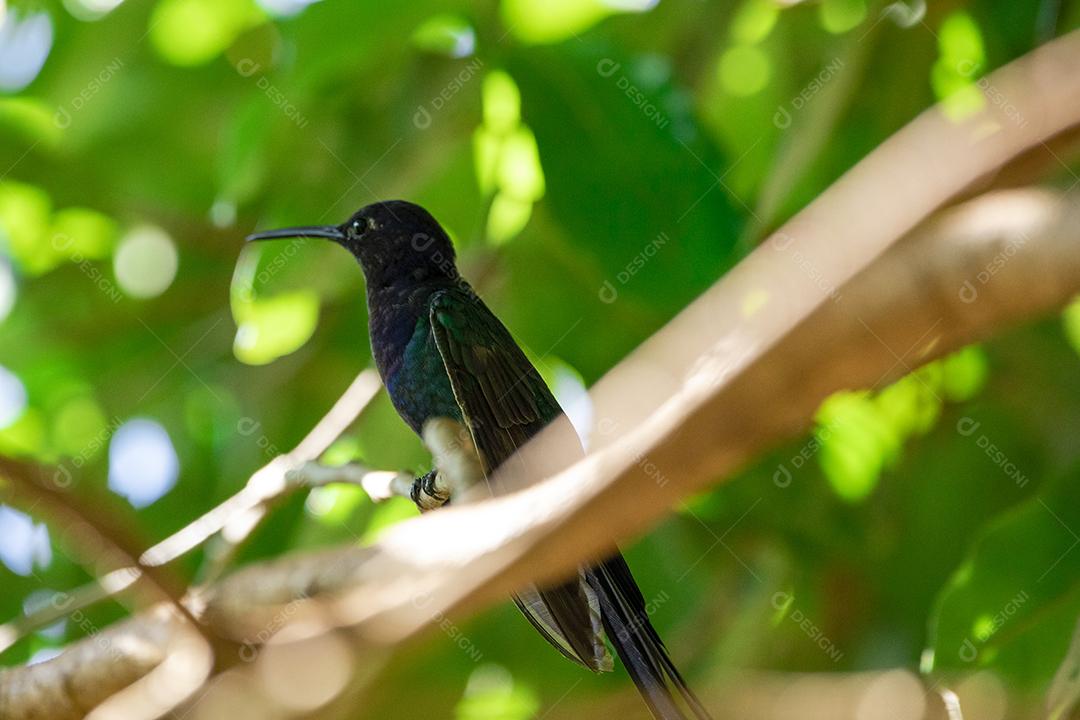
(392, 590)
(244, 510)
(744, 367)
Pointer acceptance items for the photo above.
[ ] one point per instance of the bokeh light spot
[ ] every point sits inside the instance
(753, 21)
(519, 172)
(89, 10)
(569, 389)
(334, 504)
(744, 70)
(305, 674)
(24, 544)
(77, 429)
(24, 44)
(143, 465)
(449, 35)
(502, 102)
(193, 32)
(839, 16)
(12, 397)
(83, 233)
(223, 213)
(492, 693)
(964, 373)
(1071, 321)
(268, 328)
(44, 654)
(548, 21)
(24, 225)
(507, 217)
(507, 159)
(983, 627)
(7, 289)
(285, 8)
(145, 262)
(959, 64)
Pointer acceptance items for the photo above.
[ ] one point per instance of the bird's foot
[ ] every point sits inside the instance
(430, 492)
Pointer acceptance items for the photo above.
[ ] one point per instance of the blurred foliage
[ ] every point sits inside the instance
(599, 164)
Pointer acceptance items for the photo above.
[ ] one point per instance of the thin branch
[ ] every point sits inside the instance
(265, 485)
(378, 484)
(240, 514)
(453, 454)
(85, 520)
(458, 559)
(742, 368)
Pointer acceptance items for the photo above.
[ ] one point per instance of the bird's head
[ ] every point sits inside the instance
(394, 241)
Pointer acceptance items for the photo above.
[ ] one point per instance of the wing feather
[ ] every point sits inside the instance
(504, 402)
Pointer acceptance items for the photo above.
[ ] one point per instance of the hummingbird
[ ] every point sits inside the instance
(443, 354)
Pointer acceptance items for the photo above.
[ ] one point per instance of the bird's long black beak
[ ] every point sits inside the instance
(324, 231)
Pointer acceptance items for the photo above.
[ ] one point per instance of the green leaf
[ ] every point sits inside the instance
(633, 117)
(964, 373)
(446, 34)
(1071, 320)
(334, 504)
(24, 224)
(839, 16)
(192, 32)
(492, 694)
(753, 21)
(30, 117)
(92, 234)
(268, 328)
(548, 21)
(863, 433)
(387, 513)
(1010, 606)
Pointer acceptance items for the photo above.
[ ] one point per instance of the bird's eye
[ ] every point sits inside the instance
(359, 226)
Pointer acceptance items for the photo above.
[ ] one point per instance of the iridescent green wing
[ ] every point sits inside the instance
(504, 402)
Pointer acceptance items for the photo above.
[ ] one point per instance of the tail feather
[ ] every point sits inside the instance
(637, 643)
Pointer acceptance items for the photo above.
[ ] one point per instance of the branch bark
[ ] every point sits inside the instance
(815, 309)
(389, 591)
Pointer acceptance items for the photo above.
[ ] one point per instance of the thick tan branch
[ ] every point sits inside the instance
(393, 589)
(743, 367)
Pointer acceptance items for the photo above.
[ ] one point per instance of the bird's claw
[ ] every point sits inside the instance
(429, 492)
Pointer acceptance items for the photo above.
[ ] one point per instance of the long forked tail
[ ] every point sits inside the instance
(640, 648)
